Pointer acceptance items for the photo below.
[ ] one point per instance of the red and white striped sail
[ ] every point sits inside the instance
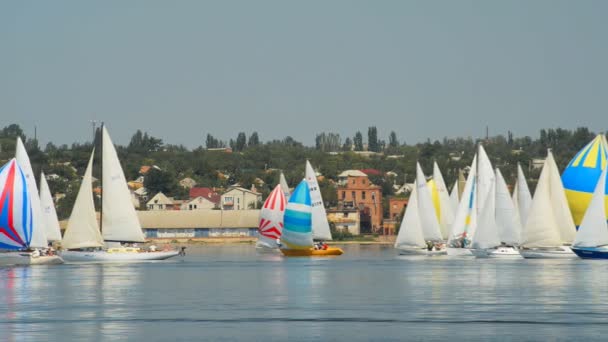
(271, 218)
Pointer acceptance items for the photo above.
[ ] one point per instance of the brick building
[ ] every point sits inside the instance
(357, 192)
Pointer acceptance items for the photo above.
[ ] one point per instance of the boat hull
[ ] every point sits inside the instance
(541, 253)
(497, 253)
(459, 252)
(421, 251)
(331, 251)
(591, 252)
(26, 258)
(104, 256)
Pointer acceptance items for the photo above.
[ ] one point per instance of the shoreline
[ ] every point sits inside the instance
(227, 241)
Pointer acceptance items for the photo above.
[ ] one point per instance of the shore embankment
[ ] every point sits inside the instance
(218, 241)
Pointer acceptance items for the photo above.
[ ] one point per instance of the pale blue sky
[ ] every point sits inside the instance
(180, 69)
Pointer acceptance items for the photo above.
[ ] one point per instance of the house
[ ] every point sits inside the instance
(345, 219)
(404, 189)
(356, 191)
(537, 163)
(160, 202)
(396, 205)
(237, 198)
(187, 183)
(201, 203)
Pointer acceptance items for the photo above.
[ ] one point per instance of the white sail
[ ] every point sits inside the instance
(320, 226)
(49, 215)
(465, 220)
(593, 231)
(410, 231)
(563, 216)
(119, 219)
(507, 219)
(446, 213)
(454, 197)
(82, 230)
(541, 228)
(284, 186)
(426, 210)
(38, 231)
(521, 196)
(485, 175)
(486, 234)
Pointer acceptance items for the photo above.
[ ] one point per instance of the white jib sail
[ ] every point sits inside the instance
(320, 226)
(454, 197)
(82, 230)
(541, 229)
(446, 214)
(284, 186)
(593, 231)
(486, 234)
(49, 215)
(507, 219)
(119, 219)
(38, 230)
(522, 196)
(563, 216)
(465, 219)
(410, 232)
(426, 210)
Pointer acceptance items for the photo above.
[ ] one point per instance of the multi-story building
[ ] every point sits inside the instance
(356, 191)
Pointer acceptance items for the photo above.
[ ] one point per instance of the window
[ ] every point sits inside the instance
(363, 195)
(345, 214)
(354, 182)
(374, 196)
(354, 194)
(363, 181)
(343, 195)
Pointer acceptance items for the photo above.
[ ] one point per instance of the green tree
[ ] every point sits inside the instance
(241, 142)
(254, 140)
(372, 139)
(358, 141)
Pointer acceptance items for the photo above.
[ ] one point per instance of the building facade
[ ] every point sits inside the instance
(355, 191)
(345, 219)
(237, 198)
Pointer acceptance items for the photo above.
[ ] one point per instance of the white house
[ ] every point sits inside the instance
(160, 202)
(237, 198)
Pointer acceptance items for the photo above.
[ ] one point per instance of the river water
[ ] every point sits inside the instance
(231, 293)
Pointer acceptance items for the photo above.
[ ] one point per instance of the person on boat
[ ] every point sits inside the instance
(35, 253)
(429, 245)
(152, 248)
(279, 244)
(182, 251)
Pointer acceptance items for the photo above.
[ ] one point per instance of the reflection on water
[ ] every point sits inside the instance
(235, 293)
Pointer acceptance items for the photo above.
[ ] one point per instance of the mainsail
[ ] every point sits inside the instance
(507, 220)
(320, 226)
(284, 186)
(521, 196)
(465, 219)
(445, 212)
(410, 232)
(119, 219)
(454, 197)
(486, 234)
(49, 215)
(426, 210)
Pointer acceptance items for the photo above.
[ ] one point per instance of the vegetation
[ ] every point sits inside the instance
(253, 160)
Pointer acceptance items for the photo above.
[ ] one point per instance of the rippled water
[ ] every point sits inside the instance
(232, 293)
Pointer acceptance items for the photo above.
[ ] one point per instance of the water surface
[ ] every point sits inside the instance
(231, 293)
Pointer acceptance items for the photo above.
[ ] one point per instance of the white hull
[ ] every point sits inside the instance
(420, 251)
(557, 253)
(266, 249)
(26, 258)
(497, 253)
(459, 252)
(104, 256)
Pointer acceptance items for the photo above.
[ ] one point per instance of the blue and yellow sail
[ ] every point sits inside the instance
(581, 175)
(297, 220)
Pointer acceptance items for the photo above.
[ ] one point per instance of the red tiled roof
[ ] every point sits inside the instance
(371, 172)
(207, 193)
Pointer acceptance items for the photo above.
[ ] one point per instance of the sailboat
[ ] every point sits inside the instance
(17, 221)
(591, 240)
(420, 233)
(441, 200)
(298, 232)
(49, 214)
(521, 196)
(477, 186)
(271, 220)
(498, 227)
(549, 227)
(83, 240)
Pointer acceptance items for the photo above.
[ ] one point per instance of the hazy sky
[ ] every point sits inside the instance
(181, 69)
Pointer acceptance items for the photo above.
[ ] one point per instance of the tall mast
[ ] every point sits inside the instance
(101, 177)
